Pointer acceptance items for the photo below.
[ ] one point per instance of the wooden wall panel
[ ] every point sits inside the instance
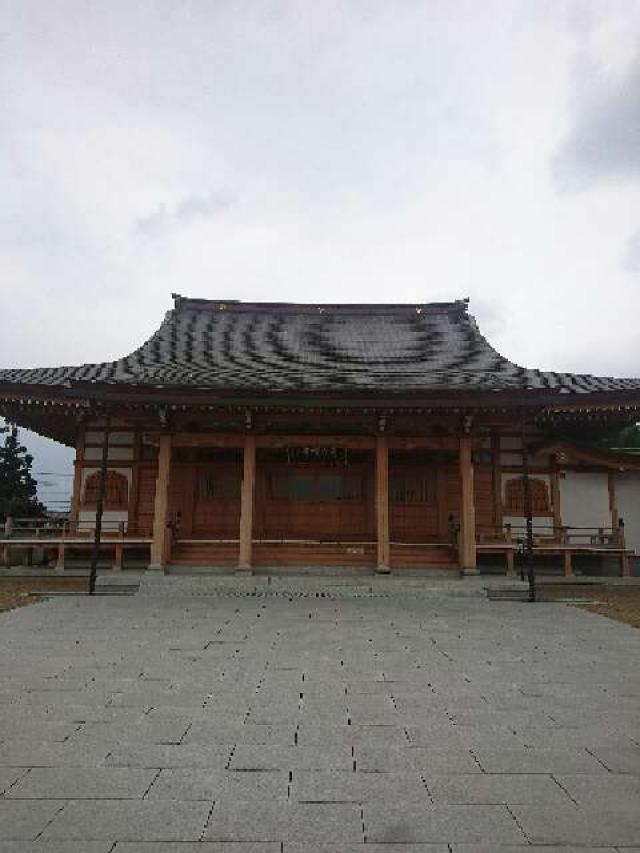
(314, 520)
(146, 497)
(484, 496)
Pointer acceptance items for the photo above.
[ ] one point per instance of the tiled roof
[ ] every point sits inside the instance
(261, 347)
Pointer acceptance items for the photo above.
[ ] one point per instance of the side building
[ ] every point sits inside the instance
(383, 436)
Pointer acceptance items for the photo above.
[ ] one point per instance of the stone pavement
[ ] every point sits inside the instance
(283, 723)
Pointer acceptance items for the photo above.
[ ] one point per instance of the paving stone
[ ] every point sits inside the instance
(492, 848)
(493, 789)
(394, 759)
(535, 760)
(22, 821)
(344, 786)
(613, 825)
(216, 785)
(25, 753)
(56, 847)
(291, 758)
(8, 776)
(602, 788)
(171, 755)
(177, 689)
(327, 822)
(200, 847)
(620, 759)
(297, 847)
(63, 783)
(409, 824)
(127, 820)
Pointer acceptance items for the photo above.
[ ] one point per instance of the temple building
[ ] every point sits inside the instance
(386, 437)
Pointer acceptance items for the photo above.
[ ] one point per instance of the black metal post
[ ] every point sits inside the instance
(528, 513)
(102, 482)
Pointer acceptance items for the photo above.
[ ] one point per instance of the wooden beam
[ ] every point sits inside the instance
(467, 541)
(230, 440)
(422, 442)
(382, 503)
(246, 503)
(159, 544)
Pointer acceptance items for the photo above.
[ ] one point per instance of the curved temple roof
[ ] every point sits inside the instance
(236, 346)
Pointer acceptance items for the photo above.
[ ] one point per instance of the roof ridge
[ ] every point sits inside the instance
(236, 305)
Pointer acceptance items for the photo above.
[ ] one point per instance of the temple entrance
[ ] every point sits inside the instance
(204, 505)
(313, 506)
(424, 497)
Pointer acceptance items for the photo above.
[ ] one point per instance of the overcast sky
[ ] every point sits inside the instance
(320, 151)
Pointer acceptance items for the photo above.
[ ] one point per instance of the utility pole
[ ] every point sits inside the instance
(102, 483)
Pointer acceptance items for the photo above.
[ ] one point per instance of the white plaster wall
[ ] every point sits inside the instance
(110, 519)
(628, 503)
(584, 499)
(541, 524)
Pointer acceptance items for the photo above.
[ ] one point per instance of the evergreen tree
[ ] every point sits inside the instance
(17, 487)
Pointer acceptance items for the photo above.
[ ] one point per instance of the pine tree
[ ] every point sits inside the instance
(17, 487)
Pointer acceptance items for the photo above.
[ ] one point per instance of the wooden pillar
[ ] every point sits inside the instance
(382, 504)
(246, 503)
(76, 496)
(61, 555)
(159, 545)
(467, 540)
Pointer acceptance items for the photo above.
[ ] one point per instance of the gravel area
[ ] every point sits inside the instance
(617, 602)
(15, 592)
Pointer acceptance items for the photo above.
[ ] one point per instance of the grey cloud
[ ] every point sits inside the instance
(189, 210)
(604, 141)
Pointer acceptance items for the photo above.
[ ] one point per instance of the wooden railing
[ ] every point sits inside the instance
(549, 539)
(23, 535)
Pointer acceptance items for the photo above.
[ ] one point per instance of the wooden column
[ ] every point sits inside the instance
(382, 503)
(76, 496)
(159, 545)
(467, 540)
(246, 503)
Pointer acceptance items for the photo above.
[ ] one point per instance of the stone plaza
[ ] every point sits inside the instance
(251, 716)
